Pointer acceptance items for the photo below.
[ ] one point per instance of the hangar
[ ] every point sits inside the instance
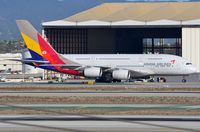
(130, 28)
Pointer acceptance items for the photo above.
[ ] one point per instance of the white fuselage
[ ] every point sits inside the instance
(148, 64)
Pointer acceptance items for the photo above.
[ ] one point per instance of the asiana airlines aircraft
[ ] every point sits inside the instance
(106, 67)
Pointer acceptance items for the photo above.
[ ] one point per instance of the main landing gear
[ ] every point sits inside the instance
(107, 78)
(115, 80)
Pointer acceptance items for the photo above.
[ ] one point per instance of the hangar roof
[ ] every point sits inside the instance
(134, 14)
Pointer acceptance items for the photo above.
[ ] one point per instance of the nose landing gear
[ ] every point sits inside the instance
(184, 80)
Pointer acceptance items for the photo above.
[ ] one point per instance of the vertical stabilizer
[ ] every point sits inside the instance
(38, 47)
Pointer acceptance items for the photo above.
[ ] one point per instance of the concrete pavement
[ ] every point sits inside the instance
(101, 124)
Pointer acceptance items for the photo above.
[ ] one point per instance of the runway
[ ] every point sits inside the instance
(99, 94)
(31, 99)
(99, 123)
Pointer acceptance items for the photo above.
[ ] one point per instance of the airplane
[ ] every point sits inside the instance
(104, 67)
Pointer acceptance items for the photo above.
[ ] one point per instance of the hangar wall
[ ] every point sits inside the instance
(123, 40)
(191, 45)
(101, 41)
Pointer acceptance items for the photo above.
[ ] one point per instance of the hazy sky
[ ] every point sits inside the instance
(37, 11)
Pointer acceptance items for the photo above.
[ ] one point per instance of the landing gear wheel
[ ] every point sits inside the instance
(103, 80)
(115, 80)
(184, 80)
(163, 79)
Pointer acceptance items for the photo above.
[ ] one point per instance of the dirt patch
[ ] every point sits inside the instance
(99, 89)
(99, 100)
(85, 111)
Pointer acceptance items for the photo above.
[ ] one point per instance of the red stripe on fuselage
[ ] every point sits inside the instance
(50, 54)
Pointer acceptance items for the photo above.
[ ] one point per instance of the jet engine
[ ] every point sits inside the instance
(93, 72)
(121, 74)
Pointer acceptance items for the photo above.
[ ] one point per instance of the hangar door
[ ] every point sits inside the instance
(148, 40)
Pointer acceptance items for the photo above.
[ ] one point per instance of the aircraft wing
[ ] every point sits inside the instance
(141, 72)
(135, 72)
(64, 66)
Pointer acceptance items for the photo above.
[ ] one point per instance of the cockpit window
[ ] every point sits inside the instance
(188, 63)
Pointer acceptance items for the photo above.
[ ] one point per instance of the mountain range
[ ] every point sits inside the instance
(38, 11)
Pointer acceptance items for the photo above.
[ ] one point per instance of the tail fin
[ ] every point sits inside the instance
(39, 48)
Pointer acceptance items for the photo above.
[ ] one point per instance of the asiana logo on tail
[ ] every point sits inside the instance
(44, 52)
(173, 61)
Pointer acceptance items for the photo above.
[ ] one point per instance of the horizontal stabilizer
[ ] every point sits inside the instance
(30, 61)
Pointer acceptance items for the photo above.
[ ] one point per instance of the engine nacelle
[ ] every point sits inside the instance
(121, 74)
(93, 72)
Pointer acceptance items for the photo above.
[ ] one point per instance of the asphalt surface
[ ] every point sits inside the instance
(99, 123)
(111, 85)
(100, 94)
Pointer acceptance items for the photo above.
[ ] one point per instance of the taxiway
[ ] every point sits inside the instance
(99, 123)
(100, 94)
